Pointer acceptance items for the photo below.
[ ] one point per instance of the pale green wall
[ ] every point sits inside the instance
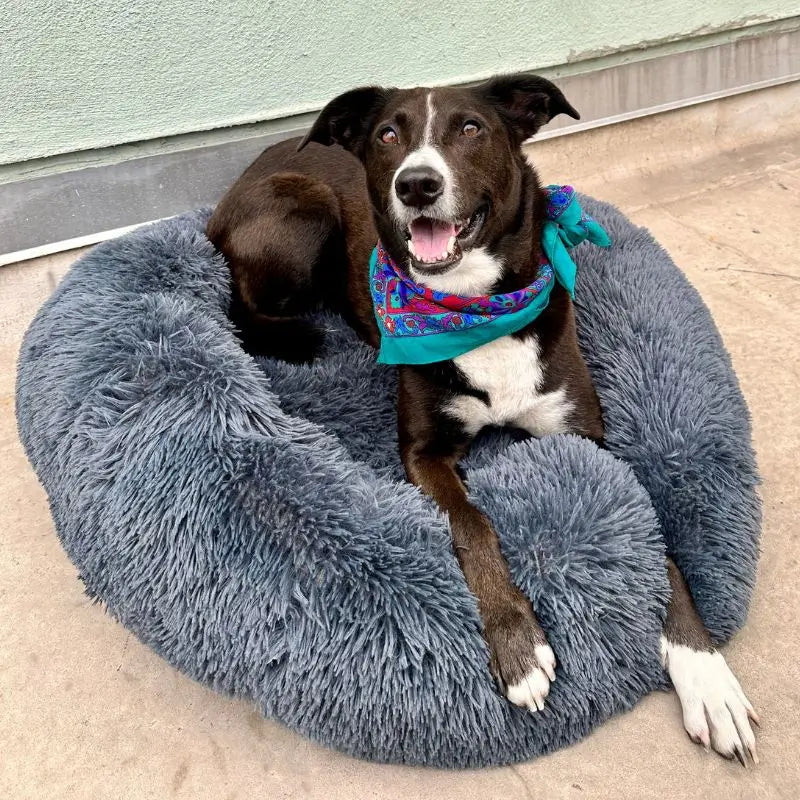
(91, 74)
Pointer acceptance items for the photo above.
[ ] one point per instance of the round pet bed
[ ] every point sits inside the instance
(249, 519)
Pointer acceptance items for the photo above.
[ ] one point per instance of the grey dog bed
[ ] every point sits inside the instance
(250, 521)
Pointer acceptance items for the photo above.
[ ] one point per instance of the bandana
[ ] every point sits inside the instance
(420, 326)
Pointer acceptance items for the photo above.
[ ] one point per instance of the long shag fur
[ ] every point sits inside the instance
(250, 522)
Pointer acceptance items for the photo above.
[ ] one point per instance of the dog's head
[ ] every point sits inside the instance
(444, 166)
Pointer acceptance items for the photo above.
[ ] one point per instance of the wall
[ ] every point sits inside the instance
(89, 74)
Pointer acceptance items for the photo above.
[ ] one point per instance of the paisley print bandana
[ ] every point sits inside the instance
(420, 326)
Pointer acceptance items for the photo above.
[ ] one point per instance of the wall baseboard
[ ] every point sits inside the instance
(54, 212)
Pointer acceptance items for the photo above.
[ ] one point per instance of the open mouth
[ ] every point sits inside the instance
(436, 245)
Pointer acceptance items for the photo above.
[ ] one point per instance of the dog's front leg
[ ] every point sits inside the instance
(716, 711)
(520, 658)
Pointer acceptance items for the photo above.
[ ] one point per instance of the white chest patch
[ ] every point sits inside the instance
(510, 371)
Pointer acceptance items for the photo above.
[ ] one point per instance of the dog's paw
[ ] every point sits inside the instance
(534, 687)
(521, 660)
(716, 712)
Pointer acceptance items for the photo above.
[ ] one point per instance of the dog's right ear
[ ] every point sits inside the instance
(347, 119)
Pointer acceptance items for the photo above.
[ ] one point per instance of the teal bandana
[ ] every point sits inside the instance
(420, 326)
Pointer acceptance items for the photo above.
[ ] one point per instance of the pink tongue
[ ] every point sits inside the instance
(429, 238)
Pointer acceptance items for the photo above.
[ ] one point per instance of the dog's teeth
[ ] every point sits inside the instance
(451, 244)
(411, 248)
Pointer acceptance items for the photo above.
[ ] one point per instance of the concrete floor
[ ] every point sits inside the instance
(86, 711)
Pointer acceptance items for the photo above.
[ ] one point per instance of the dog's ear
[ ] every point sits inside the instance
(525, 102)
(347, 119)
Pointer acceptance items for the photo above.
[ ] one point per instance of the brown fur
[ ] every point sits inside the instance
(683, 624)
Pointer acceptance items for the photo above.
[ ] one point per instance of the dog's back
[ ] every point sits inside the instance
(282, 227)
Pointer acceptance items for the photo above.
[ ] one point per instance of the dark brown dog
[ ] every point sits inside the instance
(439, 177)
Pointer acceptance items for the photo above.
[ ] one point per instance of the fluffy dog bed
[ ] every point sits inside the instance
(250, 521)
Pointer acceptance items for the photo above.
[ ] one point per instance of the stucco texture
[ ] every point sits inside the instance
(76, 76)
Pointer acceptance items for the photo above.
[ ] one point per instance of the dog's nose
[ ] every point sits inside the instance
(419, 186)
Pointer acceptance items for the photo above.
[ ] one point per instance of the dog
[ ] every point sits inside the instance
(438, 177)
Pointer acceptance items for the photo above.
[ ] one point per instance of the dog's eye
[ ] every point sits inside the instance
(388, 136)
(471, 128)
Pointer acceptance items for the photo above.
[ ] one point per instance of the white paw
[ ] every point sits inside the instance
(715, 709)
(531, 691)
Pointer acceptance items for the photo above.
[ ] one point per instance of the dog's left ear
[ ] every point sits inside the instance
(347, 119)
(526, 102)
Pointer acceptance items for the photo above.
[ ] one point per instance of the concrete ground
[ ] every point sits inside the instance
(86, 711)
